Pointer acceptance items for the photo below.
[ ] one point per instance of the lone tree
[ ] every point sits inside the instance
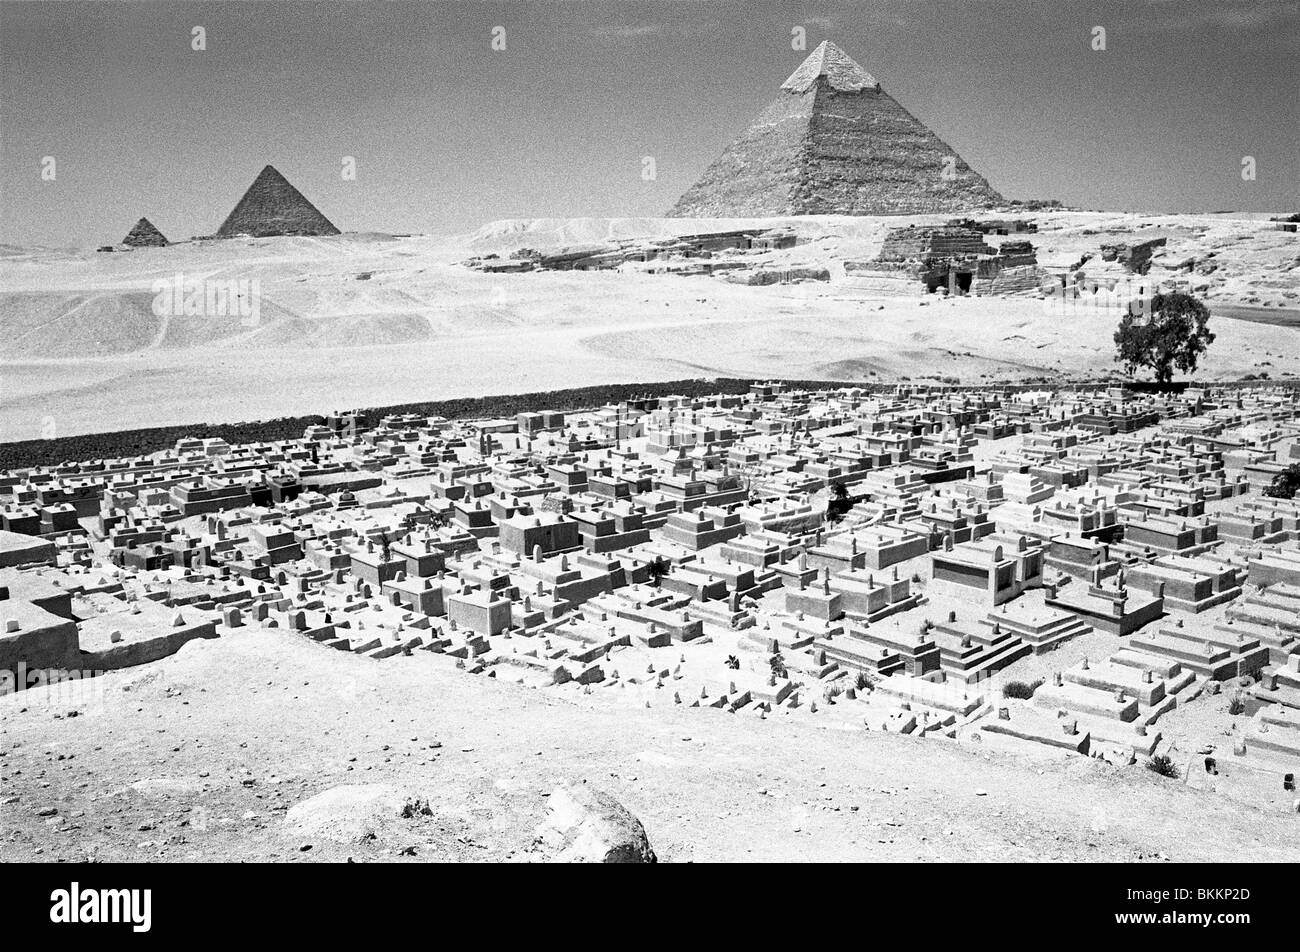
(1175, 335)
(1285, 484)
(839, 503)
(659, 569)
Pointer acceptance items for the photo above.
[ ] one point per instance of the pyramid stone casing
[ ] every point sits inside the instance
(145, 235)
(834, 143)
(272, 206)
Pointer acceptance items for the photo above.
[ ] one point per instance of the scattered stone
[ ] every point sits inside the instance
(586, 825)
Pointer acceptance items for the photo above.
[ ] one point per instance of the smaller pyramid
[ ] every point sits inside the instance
(145, 235)
(272, 206)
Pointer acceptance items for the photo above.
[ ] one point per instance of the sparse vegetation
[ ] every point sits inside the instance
(1164, 765)
(414, 808)
(840, 502)
(777, 663)
(1285, 484)
(1237, 705)
(658, 571)
(1021, 689)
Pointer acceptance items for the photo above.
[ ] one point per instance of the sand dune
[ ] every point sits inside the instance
(374, 319)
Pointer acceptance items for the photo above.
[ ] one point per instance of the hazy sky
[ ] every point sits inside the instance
(448, 133)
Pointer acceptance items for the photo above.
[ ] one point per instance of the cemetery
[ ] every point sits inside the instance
(692, 556)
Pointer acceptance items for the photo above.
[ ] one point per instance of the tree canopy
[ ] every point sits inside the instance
(1174, 335)
(1285, 484)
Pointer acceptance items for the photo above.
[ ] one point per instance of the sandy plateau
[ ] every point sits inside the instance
(373, 320)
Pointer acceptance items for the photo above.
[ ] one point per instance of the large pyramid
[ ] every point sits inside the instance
(144, 235)
(272, 206)
(834, 143)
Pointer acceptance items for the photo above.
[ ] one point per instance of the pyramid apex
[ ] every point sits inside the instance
(830, 63)
(270, 173)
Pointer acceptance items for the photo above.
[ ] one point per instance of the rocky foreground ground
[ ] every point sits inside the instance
(264, 746)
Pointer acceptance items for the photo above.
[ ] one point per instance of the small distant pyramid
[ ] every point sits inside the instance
(145, 235)
(834, 143)
(272, 206)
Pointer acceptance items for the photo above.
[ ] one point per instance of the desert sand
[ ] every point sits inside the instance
(371, 320)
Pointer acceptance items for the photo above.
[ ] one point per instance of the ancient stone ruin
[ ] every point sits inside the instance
(834, 143)
(950, 257)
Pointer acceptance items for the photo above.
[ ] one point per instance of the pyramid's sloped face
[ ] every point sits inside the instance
(830, 151)
(867, 155)
(144, 235)
(272, 206)
(757, 175)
